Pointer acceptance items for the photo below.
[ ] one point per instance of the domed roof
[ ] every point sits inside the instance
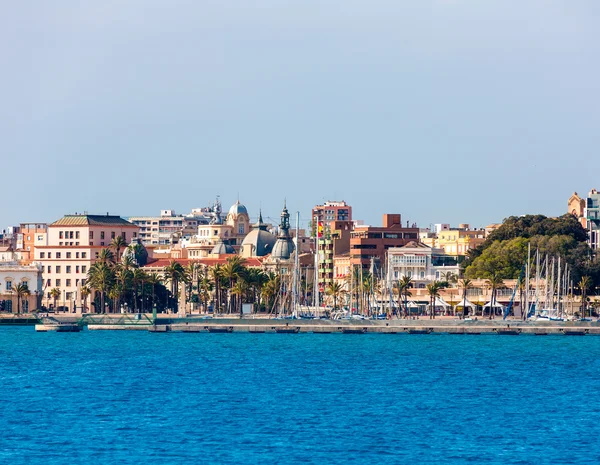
(137, 252)
(283, 249)
(259, 239)
(237, 209)
(221, 248)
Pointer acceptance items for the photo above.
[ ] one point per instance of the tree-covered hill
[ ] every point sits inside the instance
(505, 250)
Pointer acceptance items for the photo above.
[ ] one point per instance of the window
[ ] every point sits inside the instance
(57, 254)
(68, 268)
(60, 234)
(83, 269)
(42, 254)
(43, 268)
(68, 284)
(58, 268)
(70, 235)
(49, 269)
(83, 254)
(76, 254)
(48, 284)
(60, 243)
(101, 234)
(76, 234)
(76, 268)
(28, 238)
(102, 243)
(134, 234)
(57, 282)
(125, 236)
(241, 228)
(112, 235)
(91, 234)
(49, 254)
(68, 254)
(8, 285)
(40, 237)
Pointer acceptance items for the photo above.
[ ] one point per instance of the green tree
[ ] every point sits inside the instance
(404, 285)
(433, 289)
(101, 277)
(118, 243)
(174, 273)
(335, 290)
(584, 284)
(495, 282)
(465, 285)
(55, 294)
(22, 290)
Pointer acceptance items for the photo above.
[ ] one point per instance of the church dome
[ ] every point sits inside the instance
(283, 249)
(221, 248)
(260, 242)
(237, 209)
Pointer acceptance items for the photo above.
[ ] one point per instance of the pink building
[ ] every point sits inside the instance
(74, 243)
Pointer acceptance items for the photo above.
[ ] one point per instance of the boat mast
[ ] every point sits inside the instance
(527, 271)
(296, 268)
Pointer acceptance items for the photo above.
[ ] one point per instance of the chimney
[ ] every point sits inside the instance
(391, 219)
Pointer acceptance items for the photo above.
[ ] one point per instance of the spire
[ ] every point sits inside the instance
(285, 222)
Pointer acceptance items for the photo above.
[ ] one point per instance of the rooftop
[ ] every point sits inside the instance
(92, 220)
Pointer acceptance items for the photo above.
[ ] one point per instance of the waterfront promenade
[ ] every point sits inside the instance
(261, 324)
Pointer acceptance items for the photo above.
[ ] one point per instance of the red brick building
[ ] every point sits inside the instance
(372, 242)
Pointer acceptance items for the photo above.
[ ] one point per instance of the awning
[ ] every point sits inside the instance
(465, 303)
(496, 305)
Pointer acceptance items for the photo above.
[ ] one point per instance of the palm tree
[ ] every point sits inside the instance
(271, 289)
(465, 284)
(118, 243)
(101, 278)
(106, 257)
(335, 290)
(174, 273)
(215, 275)
(138, 276)
(448, 277)
(584, 285)
(404, 285)
(239, 289)
(21, 290)
(233, 270)
(495, 282)
(433, 289)
(55, 294)
(85, 293)
(153, 279)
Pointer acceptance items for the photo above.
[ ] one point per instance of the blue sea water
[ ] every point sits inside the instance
(137, 397)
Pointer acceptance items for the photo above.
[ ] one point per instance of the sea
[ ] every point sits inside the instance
(128, 397)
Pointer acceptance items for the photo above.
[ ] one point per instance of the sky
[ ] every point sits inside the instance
(445, 111)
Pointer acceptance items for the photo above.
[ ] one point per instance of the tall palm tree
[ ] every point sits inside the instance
(433, 289)
(495, 282)
(174, 273)
(215, 275)
(233, 270)
(153, 279)
(404, 285)
(21, 290)
(118, 243)
(106, 257)
(239, 289)
(101, 277)
(271, 289)
(138, 276)
(335, 290)
(55, 294)
(465, 284)
(448, 277)
(85, 293)
(584, 284)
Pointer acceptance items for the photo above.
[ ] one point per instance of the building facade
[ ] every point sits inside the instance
(369, 244)
(11, 275)
(74, 243)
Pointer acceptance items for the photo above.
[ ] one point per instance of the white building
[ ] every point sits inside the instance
(11, 275)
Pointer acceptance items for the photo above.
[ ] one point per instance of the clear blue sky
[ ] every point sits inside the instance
(444, 111)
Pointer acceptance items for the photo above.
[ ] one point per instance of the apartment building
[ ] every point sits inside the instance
(11, 275)
(165, 229)
(370, 243)
(74, 242)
